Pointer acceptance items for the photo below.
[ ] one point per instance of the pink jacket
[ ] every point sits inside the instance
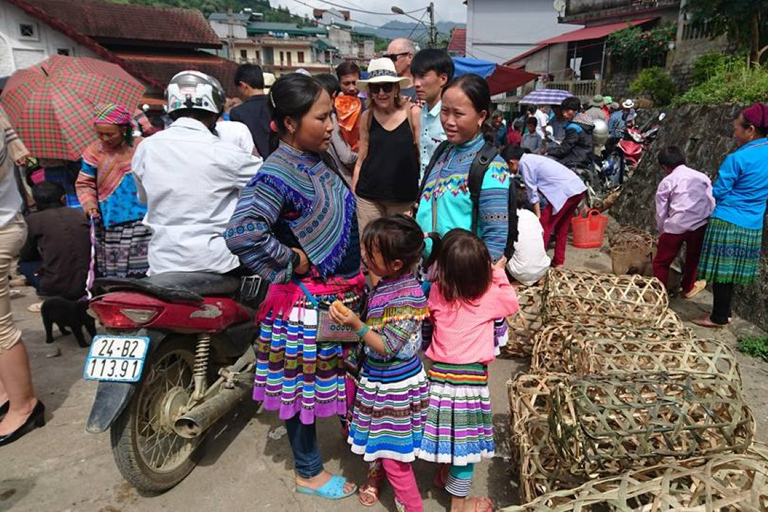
(463, 333)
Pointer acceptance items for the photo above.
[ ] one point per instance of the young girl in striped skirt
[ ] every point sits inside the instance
(468, 294)
(390, 406)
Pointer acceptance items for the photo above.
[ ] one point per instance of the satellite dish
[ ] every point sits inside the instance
(559, 6)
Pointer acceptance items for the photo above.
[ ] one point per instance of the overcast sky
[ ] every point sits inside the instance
(445, 10)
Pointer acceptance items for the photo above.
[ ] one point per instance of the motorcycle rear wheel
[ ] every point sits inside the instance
(148, 453)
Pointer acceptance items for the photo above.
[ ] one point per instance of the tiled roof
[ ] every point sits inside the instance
(458, 44)
(137, 24)
(162, 67)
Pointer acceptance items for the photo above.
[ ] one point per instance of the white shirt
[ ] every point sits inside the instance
(529, 262)
(236, 133)
(190, 180)
(543, 120)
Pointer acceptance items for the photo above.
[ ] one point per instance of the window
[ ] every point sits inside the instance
(244, 54)
(28, 31)
(258, 57)
(290, 54)
(300, 57)
(282, 58)
(63, 51)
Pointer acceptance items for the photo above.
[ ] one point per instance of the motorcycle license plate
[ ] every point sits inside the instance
(116, 358)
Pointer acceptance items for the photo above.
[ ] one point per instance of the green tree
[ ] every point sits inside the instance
(744, 22)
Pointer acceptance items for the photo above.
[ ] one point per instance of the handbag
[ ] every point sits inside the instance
(327, 330)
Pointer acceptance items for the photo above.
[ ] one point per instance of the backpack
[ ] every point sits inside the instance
(477, 172)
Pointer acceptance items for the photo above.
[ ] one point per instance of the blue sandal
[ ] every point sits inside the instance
(332, 490)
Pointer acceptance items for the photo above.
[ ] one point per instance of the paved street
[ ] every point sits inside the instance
(61, 467)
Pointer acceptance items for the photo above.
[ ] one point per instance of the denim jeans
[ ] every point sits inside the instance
(306, 455)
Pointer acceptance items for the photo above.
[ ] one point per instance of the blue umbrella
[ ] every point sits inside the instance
(546, 97)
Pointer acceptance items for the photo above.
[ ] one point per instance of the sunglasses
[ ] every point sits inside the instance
(375, 88)
(394, 56)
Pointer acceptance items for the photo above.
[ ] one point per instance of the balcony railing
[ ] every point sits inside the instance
(580, 88)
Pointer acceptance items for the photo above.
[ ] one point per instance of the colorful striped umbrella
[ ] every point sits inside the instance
(52, 104)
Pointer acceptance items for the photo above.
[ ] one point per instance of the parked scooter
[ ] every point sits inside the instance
(177, 357)
(636, 141)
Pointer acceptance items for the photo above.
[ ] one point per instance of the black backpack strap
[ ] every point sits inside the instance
(512, 231)
(477, 172)
(439, 150)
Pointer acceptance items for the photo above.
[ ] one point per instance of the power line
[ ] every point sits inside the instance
(352, 9)
(353, 20)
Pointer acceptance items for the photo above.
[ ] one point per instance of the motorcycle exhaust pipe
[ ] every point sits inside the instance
(200, 418)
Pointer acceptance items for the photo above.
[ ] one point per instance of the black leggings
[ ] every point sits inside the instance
(721, 306)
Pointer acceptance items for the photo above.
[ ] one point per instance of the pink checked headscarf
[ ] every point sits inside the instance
(112, 114)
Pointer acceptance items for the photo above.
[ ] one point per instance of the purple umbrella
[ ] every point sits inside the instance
(546, 97)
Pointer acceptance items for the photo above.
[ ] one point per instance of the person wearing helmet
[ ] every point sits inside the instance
(575, 148)
(190, 180)
(618, 120)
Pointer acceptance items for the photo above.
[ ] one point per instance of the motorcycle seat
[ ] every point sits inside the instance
(176, 286)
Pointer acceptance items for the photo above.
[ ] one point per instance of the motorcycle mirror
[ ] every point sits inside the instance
(550, 131)
(662, 116)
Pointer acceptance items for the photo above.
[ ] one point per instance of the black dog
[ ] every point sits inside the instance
(67, 313)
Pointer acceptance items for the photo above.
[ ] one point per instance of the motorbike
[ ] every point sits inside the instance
(636, 141)
(177, 357)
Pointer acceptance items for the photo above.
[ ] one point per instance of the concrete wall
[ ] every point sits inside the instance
(18, 51)
(553, 59)
(706, 135)
(239, 30)
(498, 30)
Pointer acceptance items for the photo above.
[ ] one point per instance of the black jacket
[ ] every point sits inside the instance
(254, 113)
(575, 150)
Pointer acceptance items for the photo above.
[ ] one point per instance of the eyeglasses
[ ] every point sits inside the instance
(386, 87)
(394, 56)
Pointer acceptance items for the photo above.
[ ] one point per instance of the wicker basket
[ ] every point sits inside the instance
(606, 426)
(524, 325)
(608, 357)
(552, 345)
(586, 297)
(723, 482)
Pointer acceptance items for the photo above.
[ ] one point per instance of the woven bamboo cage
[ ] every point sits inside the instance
(524, 325)
(725, 482)
(587, 297)
(608, 357)
(552, 345)
(609, 425)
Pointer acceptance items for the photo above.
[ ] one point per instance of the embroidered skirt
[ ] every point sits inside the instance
(730, 254)
(121, 250)
(459, 428)
(390, 410)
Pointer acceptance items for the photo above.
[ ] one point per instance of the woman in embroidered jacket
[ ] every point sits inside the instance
(295, 226)
(107, 192)
(445, 203)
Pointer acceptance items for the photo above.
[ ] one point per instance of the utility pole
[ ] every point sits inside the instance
(230, 34)
(432, 27)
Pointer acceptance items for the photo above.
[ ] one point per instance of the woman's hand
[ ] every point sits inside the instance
(501, 263)
(304, 264)
(342, 315)
(23, 161)
(92, 213)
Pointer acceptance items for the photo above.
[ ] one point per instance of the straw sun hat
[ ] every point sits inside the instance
(382, 71)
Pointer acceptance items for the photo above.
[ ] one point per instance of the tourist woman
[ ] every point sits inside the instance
(22, 411)
(732, 244)
(295, 226)
(107, 192)
(445, 203)
(386, 176)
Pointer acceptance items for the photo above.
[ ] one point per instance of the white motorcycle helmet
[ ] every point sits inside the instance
(195, 90)
(600, 132)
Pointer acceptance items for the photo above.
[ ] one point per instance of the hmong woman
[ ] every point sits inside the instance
(295, 226)
(107, 192)
(732, 244)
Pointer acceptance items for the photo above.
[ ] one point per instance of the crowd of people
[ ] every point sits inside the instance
(395, 204)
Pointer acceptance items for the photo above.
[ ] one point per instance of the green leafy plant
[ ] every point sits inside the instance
(755, 346)
(632, 45)
(736, 82)
(656, 83)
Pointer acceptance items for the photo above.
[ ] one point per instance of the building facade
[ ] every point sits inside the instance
(499, 30)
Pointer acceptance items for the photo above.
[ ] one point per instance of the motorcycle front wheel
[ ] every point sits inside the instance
(148, 453)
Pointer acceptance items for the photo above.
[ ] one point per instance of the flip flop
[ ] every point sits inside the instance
(707, 322)
(697, 287)
(482, 504)
(332, 490)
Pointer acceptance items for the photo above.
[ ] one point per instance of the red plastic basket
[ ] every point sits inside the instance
(589, 229)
